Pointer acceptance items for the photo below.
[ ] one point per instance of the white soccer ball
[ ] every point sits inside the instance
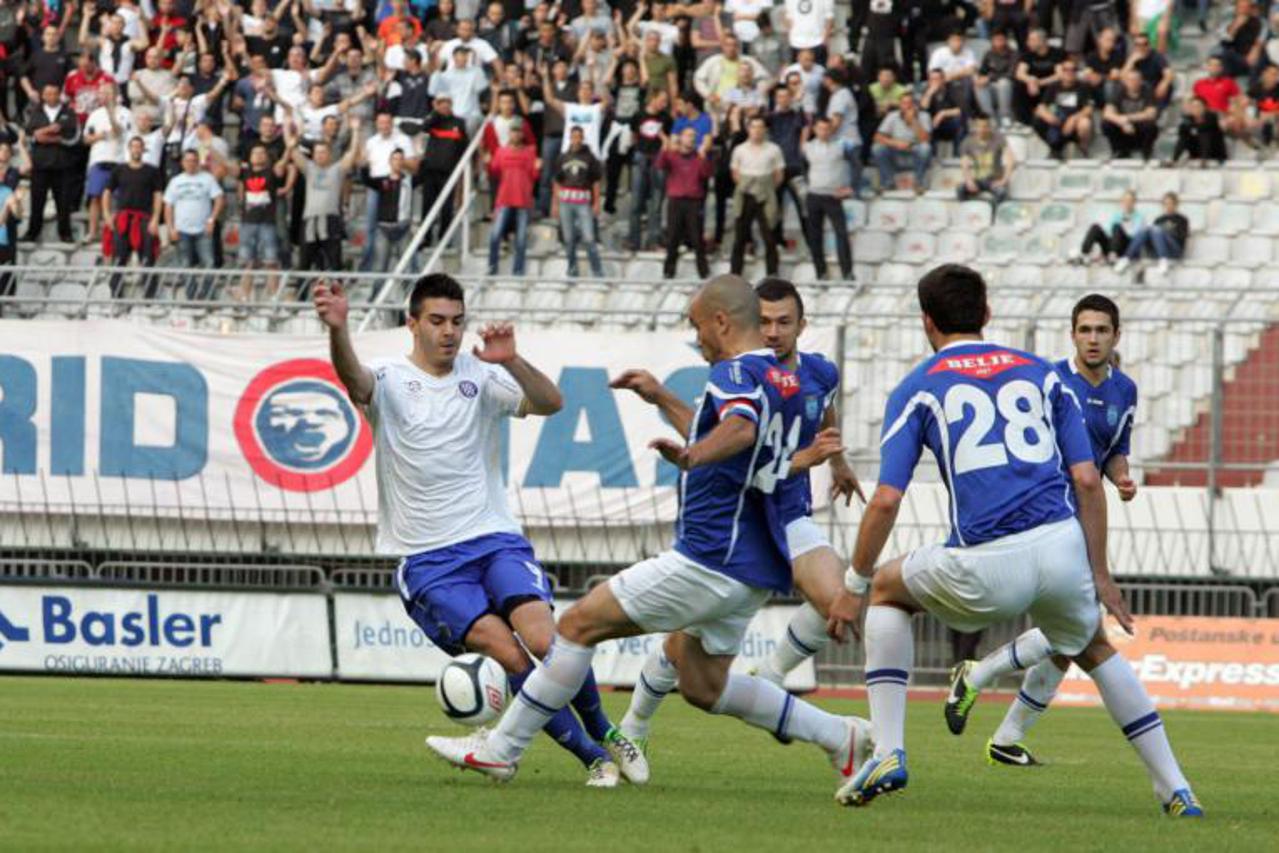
(472, 689)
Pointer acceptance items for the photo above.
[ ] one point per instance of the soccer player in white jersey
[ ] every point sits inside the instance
(817, 570)
(729, 554)
(467, 576)
(1026, 536)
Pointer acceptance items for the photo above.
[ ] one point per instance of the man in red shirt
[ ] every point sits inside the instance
(83, 84)
(1222, 96)
(164, 30)
(687, 169)
(514, 168)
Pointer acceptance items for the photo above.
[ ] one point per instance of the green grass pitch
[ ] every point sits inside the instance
(121, 764)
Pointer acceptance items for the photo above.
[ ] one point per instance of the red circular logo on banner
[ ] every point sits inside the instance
(298, 429)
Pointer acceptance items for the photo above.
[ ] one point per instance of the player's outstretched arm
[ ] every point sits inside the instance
(877, 523)
(826, 445)
(646, 386)
(731, 437)
(1117, 472)
(332, 306)
(541, 397)
(1091, 497)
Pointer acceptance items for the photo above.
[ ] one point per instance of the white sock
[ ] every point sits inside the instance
(1024, 652)
(890, 654)
(805, 636)
(549, 688)
(1130, 707)
(1037, 690)
(765, 705)
(656, 680)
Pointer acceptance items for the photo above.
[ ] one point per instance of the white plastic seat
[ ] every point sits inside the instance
(1153, 183)
(1208, 249)
(1056, 217)
(1250, 186)
(930, 215)
(1000, 245)
(1201, 185)
(1031, 184)
(916, 247)
(73, 292)
(1073, 184)
(855, 212)
(888, 215)
(1015, 215)
(1228, 218)
(1265, 219)
(957, 246)
(1114, 183)
(872, 246)
(1250, 251)
(972, 215)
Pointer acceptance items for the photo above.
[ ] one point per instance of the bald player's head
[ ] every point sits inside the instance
(725, 313)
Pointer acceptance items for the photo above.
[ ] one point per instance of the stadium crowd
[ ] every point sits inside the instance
(123, 106)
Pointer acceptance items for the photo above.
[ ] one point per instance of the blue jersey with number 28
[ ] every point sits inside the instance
(1003, 431)
(729, 518)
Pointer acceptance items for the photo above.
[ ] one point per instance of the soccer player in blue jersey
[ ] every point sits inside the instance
(817, 570)
(467, 576)
(729, 555)
(1109, 401)
(1028, 533)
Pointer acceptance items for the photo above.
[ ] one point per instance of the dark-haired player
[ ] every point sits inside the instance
(1109, 402)
(467, 576)
(1026, 537)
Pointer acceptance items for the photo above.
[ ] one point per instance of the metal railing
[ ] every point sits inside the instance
(213, 575)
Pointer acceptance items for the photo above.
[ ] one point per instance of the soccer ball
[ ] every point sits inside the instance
(472, 689)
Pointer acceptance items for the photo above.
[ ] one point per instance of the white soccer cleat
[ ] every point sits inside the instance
(472, 753)
(855, 751)
(603, 774)
(629, 755)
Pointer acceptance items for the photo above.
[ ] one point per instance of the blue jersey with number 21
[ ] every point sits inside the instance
(729, 518)
(1003, 431)
(818, 386)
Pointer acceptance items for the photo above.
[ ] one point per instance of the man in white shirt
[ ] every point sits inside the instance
(466, 576)
(956, 61)
(377, 158)
(810, 24)
(105, 131)
(811, 76)
(485, 53)
(464, 83)
(745, 14)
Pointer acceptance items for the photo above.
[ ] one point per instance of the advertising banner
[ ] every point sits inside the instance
(1195, 662)
(376, 640)
(140, 632)
(106, 413)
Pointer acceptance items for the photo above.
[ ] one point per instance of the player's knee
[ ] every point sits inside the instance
(576, 626)
(493, 638)
(700, 694)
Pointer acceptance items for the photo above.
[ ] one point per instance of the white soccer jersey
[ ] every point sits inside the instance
(439, 480)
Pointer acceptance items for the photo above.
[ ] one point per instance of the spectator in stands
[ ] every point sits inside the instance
(1104, 66)
(828, 186)
(1166, 238)
(650, 129)
(718, 74)
(903, 142)
(987, 161)
(193, 201)
(576, 201)
(788, 127)
(948, 120)
(152, 83)
(347, 75)
(54, 132)
(687, 167)
(958, 66)
(766, 47)
(515, 167)
(259, 189)
(657, 68)
(561, 89)
(114, 50)
(809, 26)
(1154, 68)
(1223, 97)
(886, 92)
(322, 222)
(1004, 17)
(758, 170)
(1157, 20)
(628, 101)
(1264, 96)
(1240, 49)
(732, 133)
(1038, 67)
(377, 160)
(993, 83)
(464, 83)
(841, 111)
(1086, 21)
(394, 210)
(137, 190)
(446, 142)
(1130, 119)
(811, 77)
(1065, 113)
(885, 22)
(1115, 235)
(1199, 134)
(10, 213)
(47, 64)
(105, 133)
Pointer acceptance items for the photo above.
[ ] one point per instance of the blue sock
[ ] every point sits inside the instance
(564, 728)
(588, 707)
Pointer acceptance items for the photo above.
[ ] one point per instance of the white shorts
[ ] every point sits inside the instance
(672, 593)
(804, 535)
(1043, 572)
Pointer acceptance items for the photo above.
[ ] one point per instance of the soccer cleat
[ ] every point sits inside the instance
(1183, 804)
(855, 751)
(603, 774)
(1015, 755)
(961, 698)
(471, 753)
(877, 776)
(630, 755)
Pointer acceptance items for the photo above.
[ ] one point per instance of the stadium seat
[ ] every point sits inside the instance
(1016, 215)
(1030, 184)
(1115, 183)
(1249, 186)
(1265, 219)
(1000, 244)
(972, 215)
(1201, 185)
(1153, 183)
(896, 273)
(73, 293)
(804, 272)
(957, 246)
(1073, 184)
(1196, 214)
(1208, 249)
(930, 215)
(1040, 248)
(1250, 251)
(873, 246)
(916, 247)
(888, 215)
(855, 213)
(1056, 217)
(1228, 218)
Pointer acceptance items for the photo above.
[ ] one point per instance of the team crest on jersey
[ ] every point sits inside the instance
(468, 389)
(297, 428)
(982, 366)
(812, 407)
(413, 386)
(786, 383)
(1112, 415)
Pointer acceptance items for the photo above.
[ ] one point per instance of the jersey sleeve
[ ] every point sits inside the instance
(1123, 441)
(502, 394)
(1068, 423)
(902, 440)
(735, 390)
(378, 367)
(829, 374)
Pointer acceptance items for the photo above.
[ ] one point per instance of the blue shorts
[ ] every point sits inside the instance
(260, 242)
(96, 181)
(446, 591)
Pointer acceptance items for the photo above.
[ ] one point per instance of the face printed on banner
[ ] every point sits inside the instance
(307, 425)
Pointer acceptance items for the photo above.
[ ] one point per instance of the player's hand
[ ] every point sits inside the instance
(1127, 489)
(641, 382)
(844, 482)
(331, 304)
(1113, 600)
(499, 343)
(827, 443)
(845, 614)
(672, 451)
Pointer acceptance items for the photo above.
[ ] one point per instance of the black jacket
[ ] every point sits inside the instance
(52, 155)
